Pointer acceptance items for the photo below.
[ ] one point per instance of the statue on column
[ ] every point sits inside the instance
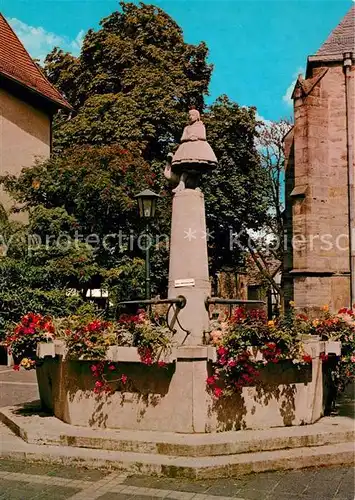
(193, 157)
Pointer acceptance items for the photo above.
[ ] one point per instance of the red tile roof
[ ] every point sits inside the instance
(17, 64)
(342, 38)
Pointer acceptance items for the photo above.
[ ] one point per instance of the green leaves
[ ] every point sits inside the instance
(133, 81)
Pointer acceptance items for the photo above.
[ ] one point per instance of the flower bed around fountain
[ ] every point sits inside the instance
(253, 374)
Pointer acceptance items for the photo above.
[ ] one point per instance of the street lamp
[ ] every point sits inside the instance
(147, 204)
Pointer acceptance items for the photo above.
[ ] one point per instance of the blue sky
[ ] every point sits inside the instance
(257, 47)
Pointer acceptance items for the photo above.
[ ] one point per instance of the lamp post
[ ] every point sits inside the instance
(147, 204)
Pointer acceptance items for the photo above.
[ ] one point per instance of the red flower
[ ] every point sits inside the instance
(323, 356)
(232, 363)
(161, 364)
(124, 379)
(222, 351)
(95, 370)
(99, 384)
(146, 355)
(16, 368)
(239, 315)
(218, 392)
(48, 326)
(28, 331)
(307, 358)
(211, 380)
(112, 368)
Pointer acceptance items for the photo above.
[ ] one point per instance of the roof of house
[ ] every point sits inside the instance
(16, 64)
(342, 38)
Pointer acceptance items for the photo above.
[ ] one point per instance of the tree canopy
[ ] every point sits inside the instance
(133, 82)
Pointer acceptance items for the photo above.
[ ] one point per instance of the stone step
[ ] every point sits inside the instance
(13, 447)
(37, 430)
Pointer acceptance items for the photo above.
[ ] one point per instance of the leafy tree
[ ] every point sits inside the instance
(28, 283)
(133, 82)
(236, 192)
(83, 220)
(267, 250)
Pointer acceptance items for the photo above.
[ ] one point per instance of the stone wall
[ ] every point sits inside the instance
(317, 267)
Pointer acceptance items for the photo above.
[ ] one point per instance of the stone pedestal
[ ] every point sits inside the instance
(188, 269)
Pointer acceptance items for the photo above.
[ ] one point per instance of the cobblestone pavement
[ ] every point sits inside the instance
(25, 481)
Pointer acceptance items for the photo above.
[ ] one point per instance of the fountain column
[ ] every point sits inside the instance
(188, 268)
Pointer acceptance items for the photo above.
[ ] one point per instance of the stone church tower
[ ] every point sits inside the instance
(320, 206)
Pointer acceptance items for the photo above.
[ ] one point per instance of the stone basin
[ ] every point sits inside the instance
(176, 398)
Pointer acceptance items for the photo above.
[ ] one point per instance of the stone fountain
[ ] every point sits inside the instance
(166, 421)
(177, 399)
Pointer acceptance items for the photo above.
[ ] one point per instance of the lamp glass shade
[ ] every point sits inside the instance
(147, 204)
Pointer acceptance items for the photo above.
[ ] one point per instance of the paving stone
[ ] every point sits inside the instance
(265, 481)
(324, 490)
(57, 494)
(287, 496)
(346, 488)
(78, 473)
(249, 494)
(226, 487)
(116, 496)
(6, 484)
(17, 494)
(37, 469)
(295, 482)
(176, 485)
(345, 496)
(11, 465)
(141, 481)
(349, 476)
(27, 491)
(331, 474)
(144, 497)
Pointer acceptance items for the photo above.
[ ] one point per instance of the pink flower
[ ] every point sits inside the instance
(98, 384)
(112, 368)
(161, 364)
(218, 392)
(232, 362)
(124, 379)
(352, 359)
(247, 378)
(222, 360)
